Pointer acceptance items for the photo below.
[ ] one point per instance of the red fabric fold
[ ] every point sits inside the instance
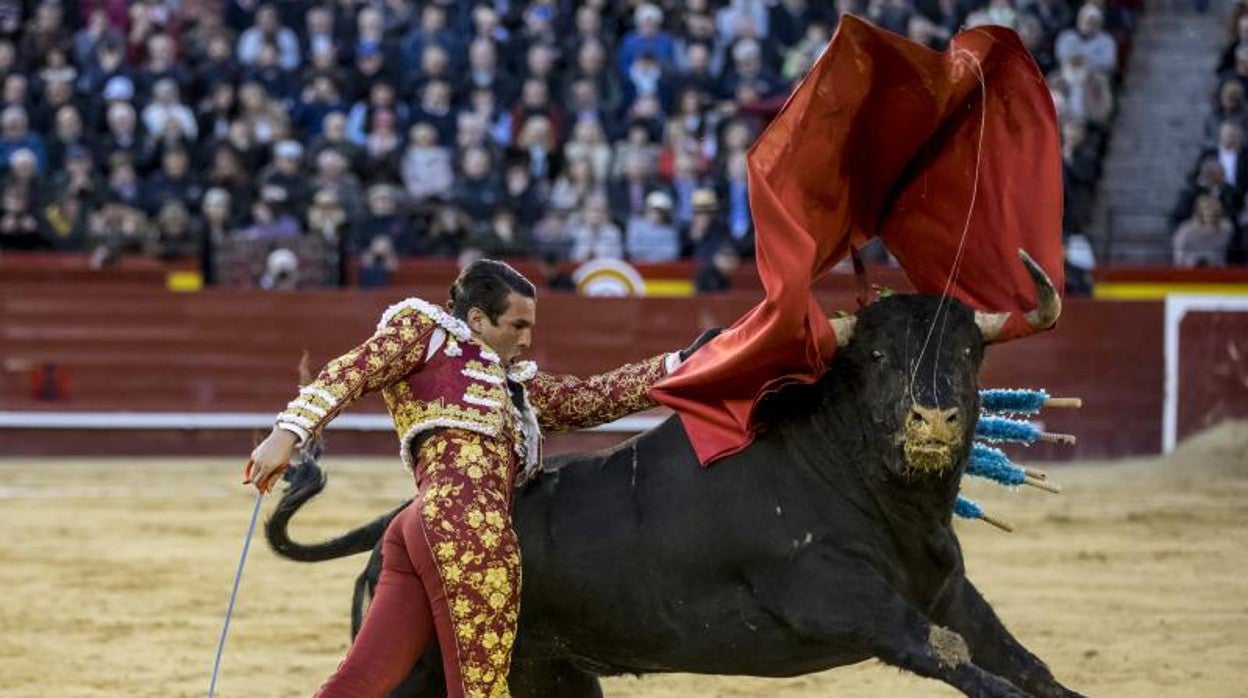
(881, 139)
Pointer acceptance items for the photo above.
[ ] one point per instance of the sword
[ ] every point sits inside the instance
(238, 576)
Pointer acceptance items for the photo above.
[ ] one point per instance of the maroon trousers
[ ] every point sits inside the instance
(408, 608)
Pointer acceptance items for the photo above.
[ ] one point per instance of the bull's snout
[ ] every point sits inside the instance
(934, 418)
(930, 437)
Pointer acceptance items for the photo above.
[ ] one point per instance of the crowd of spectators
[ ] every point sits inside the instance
(364, 132)
(1209, 218)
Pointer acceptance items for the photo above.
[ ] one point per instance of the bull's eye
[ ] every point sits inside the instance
(966, 352)
(877, 356)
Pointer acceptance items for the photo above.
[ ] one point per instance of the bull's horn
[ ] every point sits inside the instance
(843, 328)
(1048, 305)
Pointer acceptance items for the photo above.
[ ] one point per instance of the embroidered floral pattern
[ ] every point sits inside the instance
(564, 403)
(465, 508)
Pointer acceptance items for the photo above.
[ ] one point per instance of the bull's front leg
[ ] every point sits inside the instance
(992, 646)
(861, 611)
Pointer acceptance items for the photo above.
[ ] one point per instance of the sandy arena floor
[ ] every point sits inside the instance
(116, 573)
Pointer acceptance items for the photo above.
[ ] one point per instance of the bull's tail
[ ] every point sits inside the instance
(306, 481)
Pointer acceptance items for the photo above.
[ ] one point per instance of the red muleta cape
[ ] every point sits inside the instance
(881, 140)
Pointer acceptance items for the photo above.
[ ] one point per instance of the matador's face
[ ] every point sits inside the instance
(512, 334)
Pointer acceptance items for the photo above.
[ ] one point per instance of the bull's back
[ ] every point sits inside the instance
(639, 552)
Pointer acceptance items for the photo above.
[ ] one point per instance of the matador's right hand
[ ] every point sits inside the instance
(269, 460)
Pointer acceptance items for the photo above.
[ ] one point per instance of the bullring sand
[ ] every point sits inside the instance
(115, 574)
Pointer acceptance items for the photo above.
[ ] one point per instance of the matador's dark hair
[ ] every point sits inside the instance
(485, 284)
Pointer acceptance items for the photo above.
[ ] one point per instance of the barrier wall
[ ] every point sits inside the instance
(128, 348)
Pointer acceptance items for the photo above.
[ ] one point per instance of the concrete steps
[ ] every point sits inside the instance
(1162, 107)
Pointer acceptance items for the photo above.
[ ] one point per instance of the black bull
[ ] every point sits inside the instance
(826, 542)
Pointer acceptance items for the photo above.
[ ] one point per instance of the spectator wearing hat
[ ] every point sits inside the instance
(594, 235)
(706, 232)
(652, 237)
(267, 29)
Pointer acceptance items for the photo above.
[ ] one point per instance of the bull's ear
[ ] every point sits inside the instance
(843, 328)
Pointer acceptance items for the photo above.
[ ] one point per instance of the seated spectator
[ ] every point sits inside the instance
(267, 71)
(1032, 33)
(715, 274)
(447, 232)
(501, 237)
(1089, 96)
(802, 56)
(57, 95)
(435, 109)
(1080, 171)
(736, 198)
(378, 264)
(269, 222)
(15, 134)
(893, 15)
(175, 181)
(333, 173)
(648, 37)
(557, 278)
(67, 134)
(589, 143)
(383, 149)
(426, 169)
(477, 192)
(381, 96)
(638, 139)
(706, 232)
(521, 196)
(334, 137)
(123, 136)
(535, 100)
(167, 105)
(652, 237)
(283, 183)
(19, 228)
(281, 271)
(327, 218)
(575, 185)
(1210, 180)
(1231, 153)
(23, 174)
(384, 219)
(174, 235)
(1230, 107)
(594, 235)
(267, 28)
(78, 179)
(123, 180)
(628, 193)
(1202, 240)
(1089, 40)
(218, 224)
(318, 100)
(552, 234)
(116, 229)
(536, 143)
(996, 12)
(265, 119)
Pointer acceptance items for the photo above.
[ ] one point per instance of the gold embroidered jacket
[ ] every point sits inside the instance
(434, 374)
